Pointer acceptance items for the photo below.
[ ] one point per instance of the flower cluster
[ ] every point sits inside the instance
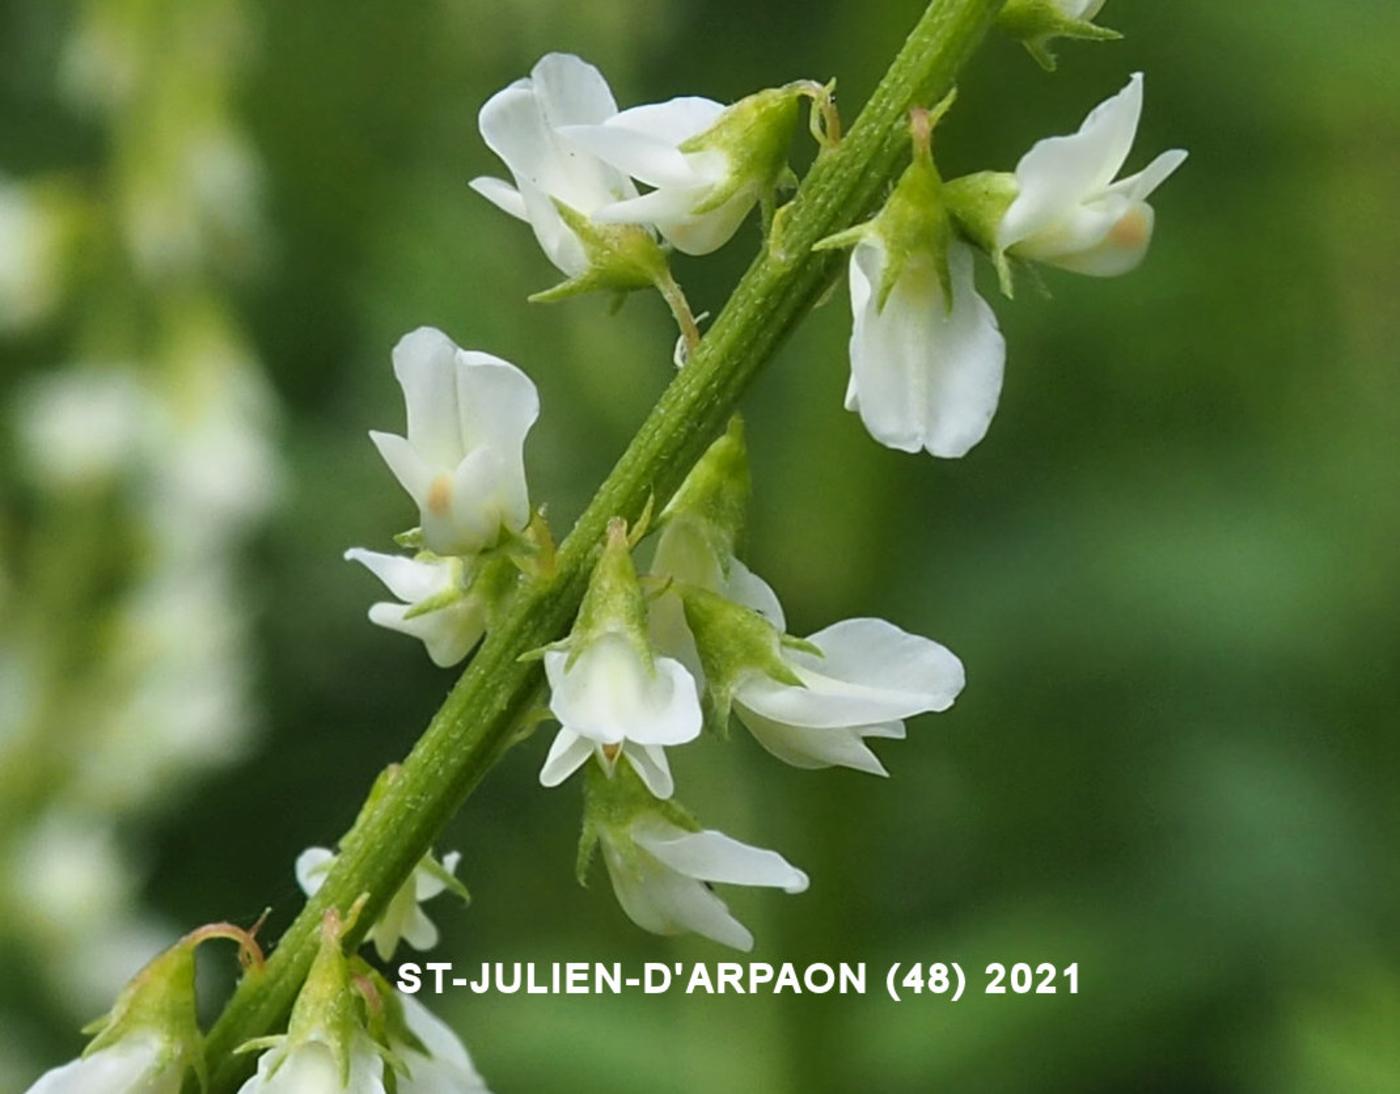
(661, 653)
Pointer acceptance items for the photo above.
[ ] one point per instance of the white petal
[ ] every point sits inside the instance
(703, 233)
(448, 1068)
(448, 634)
(425, 363)
(664, 902)
(409, 579)
(713, 856)
(571, 91)
(608, 695)
(873, 673)
(652, 767)
(809, 748)
(129, 1065)
(567, 754)
(923, 377)
(747, 588)
(501, 194)
(495, 401)
(311, 868)
(1120, 248)
(408, 467)
(670, 205)
(649, 159)
(1061, 172)
(419, 931)
(1141, 186)
(674, 121)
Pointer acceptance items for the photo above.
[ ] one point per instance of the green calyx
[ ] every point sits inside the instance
(978, 203)
(622, 258)
(914, 225)
(734, 642)
(158, 1000)
(1036, 23)
(612, 801)
(714, 498)
(615, 602)
(328, 1010)
(753, 135)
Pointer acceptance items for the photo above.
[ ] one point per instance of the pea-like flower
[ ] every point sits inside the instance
(462, 461)
(709, 164)
(446, 602)
(402, 918)
(613, 696)
(1068, 210)
(856, 679)
(927, 361)
(662, 873)
(522, 124)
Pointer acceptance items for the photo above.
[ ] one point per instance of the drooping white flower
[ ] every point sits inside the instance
(438, 606)
(613, 696)
(925, 374)
(1069, 212)
(463, 460)
(446, 1067)
(662, 873)
(142, 1062)
(867, 677)
(402, 918)
(522, 124)
(309, 1067)
(611, 701)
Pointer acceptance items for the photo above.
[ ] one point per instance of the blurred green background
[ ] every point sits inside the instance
(1171, 568)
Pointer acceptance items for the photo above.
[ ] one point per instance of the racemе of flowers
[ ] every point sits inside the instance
(644, 631)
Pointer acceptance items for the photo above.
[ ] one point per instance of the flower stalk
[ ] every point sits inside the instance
(497, 692)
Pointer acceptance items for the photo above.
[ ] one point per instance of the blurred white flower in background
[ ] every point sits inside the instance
(30, 255)
(83, 425)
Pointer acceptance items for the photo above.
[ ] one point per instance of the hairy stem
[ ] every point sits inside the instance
(476, 722)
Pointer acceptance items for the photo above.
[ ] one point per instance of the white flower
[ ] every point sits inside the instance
(661, 874)
(447, 1067)
(870, 677)
(521, 124)
(1069, 212)
(646, 143)
(309, 1067)
(403, 918)
(611, 702)
(463, 460)
(146, 1063)
(923, 375)
(448, 631)
(1084, 10)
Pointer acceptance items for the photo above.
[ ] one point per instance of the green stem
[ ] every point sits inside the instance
(475, 723)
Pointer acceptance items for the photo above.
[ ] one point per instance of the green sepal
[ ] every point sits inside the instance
(714, 497)
(612, 800)
(614, 602)
(978, 202)
(734, 642)
(622, 258)
(328, 1008)
(753, 135)
(411, 540)
(913, 225)
(159, 999)
(802, 645)
(450, 881)
(1036, 23)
